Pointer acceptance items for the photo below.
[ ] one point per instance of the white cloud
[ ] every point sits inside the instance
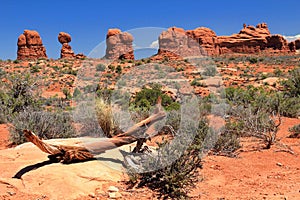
(292, 38)
(154, 44)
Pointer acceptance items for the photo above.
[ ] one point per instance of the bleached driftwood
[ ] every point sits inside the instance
(81, 152)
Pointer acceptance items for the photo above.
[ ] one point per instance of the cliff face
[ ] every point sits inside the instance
(30, 46)
(249, 40)
(119, 45)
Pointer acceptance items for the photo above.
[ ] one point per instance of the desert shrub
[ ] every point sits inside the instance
(210, 70)
(228, 142)
(252, 60)
(100, 67)
(67, 93)
(35, 69)
(18, 95)
(147, 97)
(46, 125)
(292, 85)
(119, 69)
(174, 181)
(277, 72)
(255, 112)
(77, 93)
(295, 131)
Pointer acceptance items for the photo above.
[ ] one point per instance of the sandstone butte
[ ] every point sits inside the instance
(249, 40)
(119, 45)
(30, 46)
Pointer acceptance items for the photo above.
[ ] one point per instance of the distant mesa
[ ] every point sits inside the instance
(30, 46)
(119, 45)
(66, 50)
(249, 40)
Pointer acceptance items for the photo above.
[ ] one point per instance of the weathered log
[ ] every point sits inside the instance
(86, 151)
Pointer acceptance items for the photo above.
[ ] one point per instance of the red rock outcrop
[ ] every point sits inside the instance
(297, 44)
(176, 42)
(249, 40)
(66, 49)
(30, 46)
(119, 45)
(206, 38)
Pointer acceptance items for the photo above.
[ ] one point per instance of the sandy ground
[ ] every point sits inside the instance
(256, 173)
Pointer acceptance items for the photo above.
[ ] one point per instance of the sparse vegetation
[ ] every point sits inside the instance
(295, 131)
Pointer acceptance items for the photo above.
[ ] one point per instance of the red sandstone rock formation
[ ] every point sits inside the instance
(66, 49)
(249, 40)
(206, 38)
(176, 42)
(30, 46)
(119, 45)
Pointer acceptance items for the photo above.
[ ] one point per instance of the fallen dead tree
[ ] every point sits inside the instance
(140, 132)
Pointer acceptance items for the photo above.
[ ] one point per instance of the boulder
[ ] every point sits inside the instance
(64, 37)
(119, 45)
(30, 46)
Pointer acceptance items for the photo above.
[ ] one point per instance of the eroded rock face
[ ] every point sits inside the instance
(119, 45)
(175, 41)
(249, 40)
(66, 50)
(30, 46)
(206, 38)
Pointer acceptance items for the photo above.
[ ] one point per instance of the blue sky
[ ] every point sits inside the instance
(88, 21)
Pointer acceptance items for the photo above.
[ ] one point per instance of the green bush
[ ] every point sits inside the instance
(147, 97)
(252, 60)
(18, 95)
(255, 112)
(100, 67)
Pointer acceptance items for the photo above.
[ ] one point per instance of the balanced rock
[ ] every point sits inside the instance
(119, 45)
(30, 46)
(66, 50)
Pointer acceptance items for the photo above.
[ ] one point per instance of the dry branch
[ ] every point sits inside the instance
(81, 152)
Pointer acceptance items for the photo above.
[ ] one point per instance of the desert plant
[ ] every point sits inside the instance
(295, 131)
(46, 125)
(18, 94)
(100, 67)
(174, 180)
(256, 112)
(67, 93)
(105, 117)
